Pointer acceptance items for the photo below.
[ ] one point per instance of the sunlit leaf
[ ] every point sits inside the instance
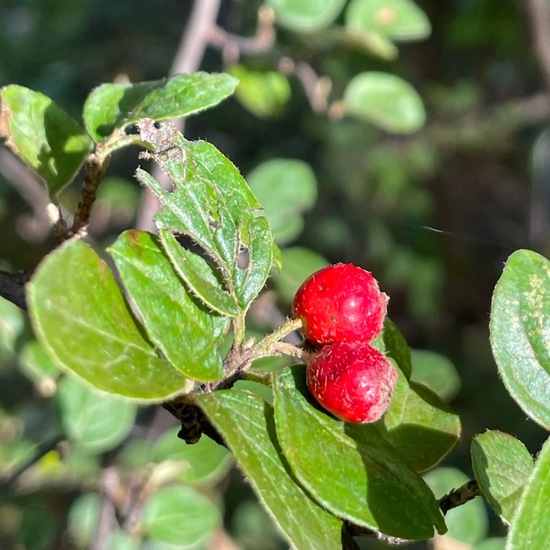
(306, 15)
(114, 106)
(386, 101)
(247, 425)
(176, 322)
(436, 372)
(520, 332)
(42, 135)
(369, 484)
(502, 465)
(531, 524)
(81, 319)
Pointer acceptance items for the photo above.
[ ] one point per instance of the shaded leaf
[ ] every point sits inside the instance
(247, 425)
(95, 422)
(306, 15)
(369, 485)
(264, 93)
(385, 100)
(421, 427)
(467, 523)
(42, 135)
(176, 323)
(531, 524)
(286, 188)
(435, 372)
(396, 19)
(502, 465)
(520, 332)
(180, 516)
(81, 319)
(204, 461)
(394, 345)
(114, 106)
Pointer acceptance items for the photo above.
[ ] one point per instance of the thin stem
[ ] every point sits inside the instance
(460, 496)
(284, 330)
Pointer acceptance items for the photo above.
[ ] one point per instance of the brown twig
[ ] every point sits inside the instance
(460, 496)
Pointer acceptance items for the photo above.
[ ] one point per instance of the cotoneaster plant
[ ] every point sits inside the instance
(352, 381)
(340, 303)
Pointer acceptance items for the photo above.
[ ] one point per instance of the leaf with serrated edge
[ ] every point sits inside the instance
(81, 319)
(530, 527)
(211, 204)
(246, 423)
(42, 135)
(520, 332)
(199, 275)
(369, 484)
(114, 106)
(181, 327)
(502, 466)
(421, 427)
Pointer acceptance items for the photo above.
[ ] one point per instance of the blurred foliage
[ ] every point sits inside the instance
(433, 214)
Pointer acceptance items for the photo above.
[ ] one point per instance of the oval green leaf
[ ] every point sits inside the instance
(467, 523)
(286, 188)
(264, 93)
(246, 423)
(204, 461)
(95, 422)
(421, 427)
(531, 523)
(175, 321)
(306, 15)
(396, 19)
(42, 135)
(349, 469)
(502, 465)
(520, 332)
(385, 100)
(180, 516)
(114, 106)
(435, 372)
(81, 319)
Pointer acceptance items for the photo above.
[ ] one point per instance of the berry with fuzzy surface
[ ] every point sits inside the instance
(352, 381)
(340, 303)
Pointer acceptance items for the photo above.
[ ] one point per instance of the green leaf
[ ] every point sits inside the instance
(114, 106)
(396, 19)
(520, 332)
(185, 332)
(83, 519)
(12, 324)
(247, 425)
(467, 523)
(42, 135)
(298, 264)
(81, 319)
(180, 516)
(306, 15)
(39, 366)
(213, 206)
(202, 462)
(264, 93)
(436, 372)
(420, 426)
(385, 100)
(531, 524)
(502, 465)
(393, 343)
(286, 188)
(95, 422)
(370, 486)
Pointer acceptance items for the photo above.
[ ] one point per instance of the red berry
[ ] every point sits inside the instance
(352, 381)
(340, 303)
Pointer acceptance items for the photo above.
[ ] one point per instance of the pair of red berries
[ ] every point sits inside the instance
(342, 310)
